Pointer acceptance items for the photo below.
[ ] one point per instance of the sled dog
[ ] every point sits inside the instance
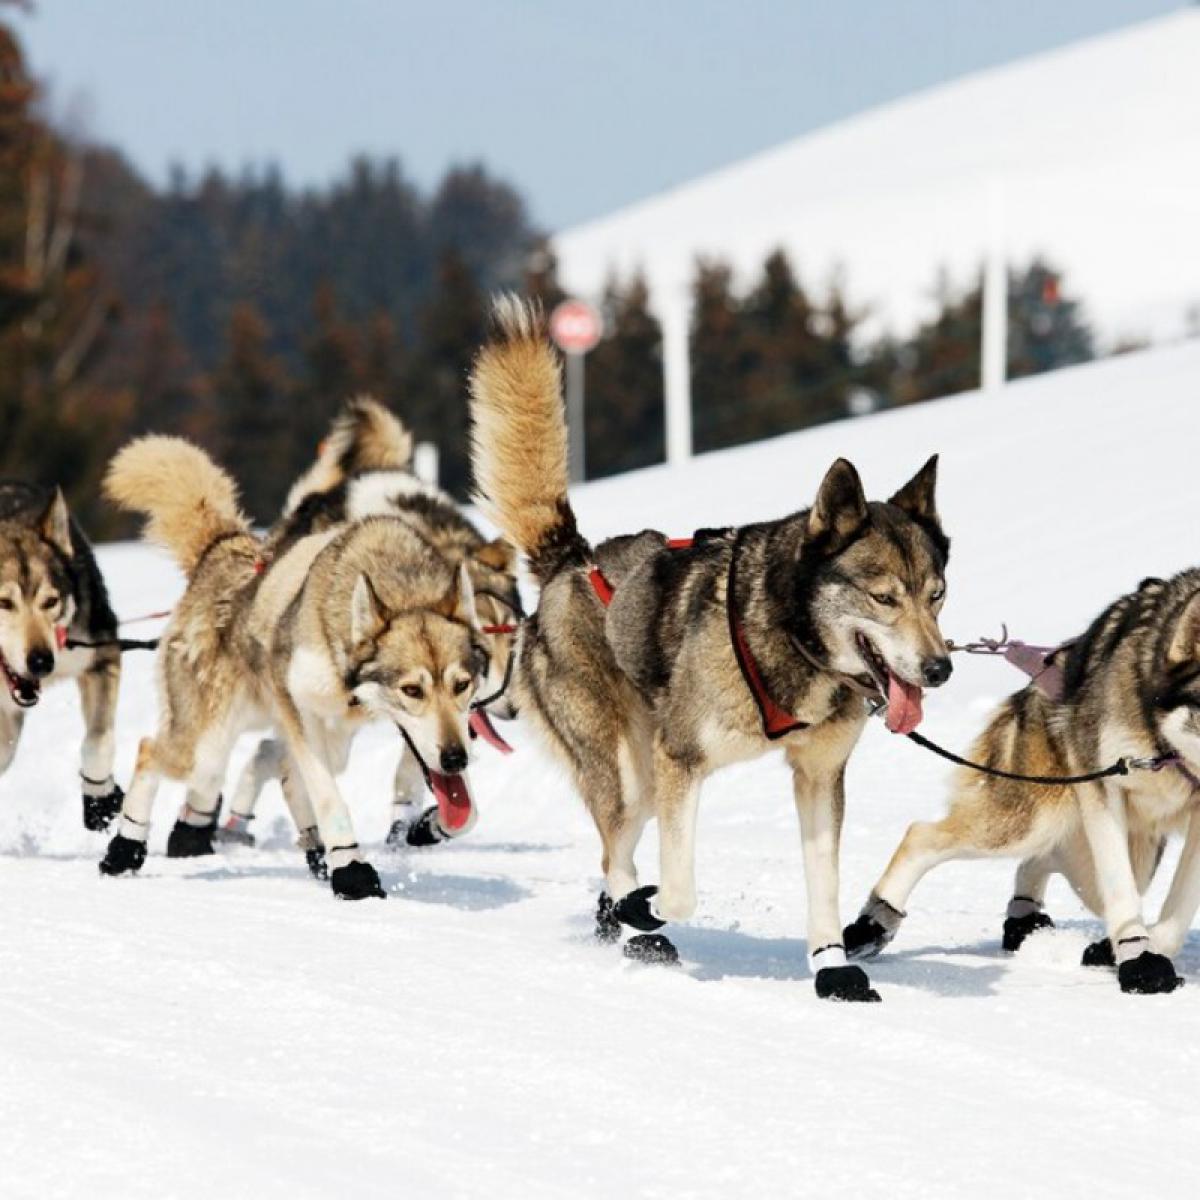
(764, 635)
(1131, 689)
(56, 623)
(360, 622)
(362, 470)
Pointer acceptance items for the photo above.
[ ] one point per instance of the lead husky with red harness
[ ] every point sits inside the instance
(648, 666)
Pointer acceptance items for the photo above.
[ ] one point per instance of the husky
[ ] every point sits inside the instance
(752, 638)
(362, 469)
(1130, 688)
(56, 623)
(357, 623)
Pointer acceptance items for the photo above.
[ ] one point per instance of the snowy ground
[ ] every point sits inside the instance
(225, 1028)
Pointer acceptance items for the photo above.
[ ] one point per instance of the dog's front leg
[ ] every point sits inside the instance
(820, 803)
(1168, 934)
(350, 876)
(1139, 968)
(98, 697)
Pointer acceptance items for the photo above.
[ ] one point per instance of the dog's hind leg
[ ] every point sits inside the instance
(266, 763)
(192, 834)
(98, 687)
(1025, 913)
(127, 849)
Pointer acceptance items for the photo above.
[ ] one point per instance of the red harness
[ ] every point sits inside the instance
(777, 722)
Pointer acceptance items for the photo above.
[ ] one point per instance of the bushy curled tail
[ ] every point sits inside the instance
(519, 439)
(364, 436)
(188, 500)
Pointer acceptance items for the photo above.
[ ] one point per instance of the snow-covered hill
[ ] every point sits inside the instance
(225, 1028)
(1093, 151)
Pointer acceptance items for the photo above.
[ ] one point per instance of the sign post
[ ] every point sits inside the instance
(576, 327)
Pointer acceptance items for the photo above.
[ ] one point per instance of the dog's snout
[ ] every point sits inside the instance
(40, 662)
(453, 759)
(935, 671)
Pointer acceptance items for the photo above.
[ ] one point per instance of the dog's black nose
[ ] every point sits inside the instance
(40, 663)
(454, 759)
(936, 671)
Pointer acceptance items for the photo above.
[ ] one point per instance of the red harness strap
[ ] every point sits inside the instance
(777, 722)
(601, 586)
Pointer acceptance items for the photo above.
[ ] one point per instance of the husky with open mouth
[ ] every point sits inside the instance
(362, 469)
(649, 665)
(359, 623)
(52, 601)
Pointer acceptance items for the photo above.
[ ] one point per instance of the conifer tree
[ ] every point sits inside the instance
(623, 385)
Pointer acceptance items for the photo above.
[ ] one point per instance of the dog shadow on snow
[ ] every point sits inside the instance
(710, 955)
(472, 893)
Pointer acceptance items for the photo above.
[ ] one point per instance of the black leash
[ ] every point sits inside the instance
(508, 674)
(1121, 767)
(122, 644)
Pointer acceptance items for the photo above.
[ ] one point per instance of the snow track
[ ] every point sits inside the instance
(225, 1028)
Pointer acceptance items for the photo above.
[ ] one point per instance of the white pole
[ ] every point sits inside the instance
(575, 429)
(677, 373)
(993, 353)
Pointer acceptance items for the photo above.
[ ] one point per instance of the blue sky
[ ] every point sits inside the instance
(585, 106)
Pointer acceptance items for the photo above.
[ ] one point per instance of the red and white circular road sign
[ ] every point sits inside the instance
(576, 326)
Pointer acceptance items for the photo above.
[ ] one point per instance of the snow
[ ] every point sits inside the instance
(1088, 153)
(224, 1027)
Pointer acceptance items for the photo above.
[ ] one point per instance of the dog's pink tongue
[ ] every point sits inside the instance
(453, 800)
(903, 705)
(481, 725)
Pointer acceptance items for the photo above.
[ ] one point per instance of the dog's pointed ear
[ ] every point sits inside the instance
(459, 600)
(840, 508)
(56, 524)
(917, 497)
(367, 615)
(499, 554)
(1185, 641)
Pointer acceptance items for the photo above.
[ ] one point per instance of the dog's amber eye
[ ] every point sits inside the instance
(934, 597)
(50, 602)
(461, 686)
(885, 599)
(412, 691)
(6, 605)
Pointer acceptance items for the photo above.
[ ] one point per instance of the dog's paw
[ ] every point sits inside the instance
(1148, 975)
(845, 983)
(426, 830)
(235, 832)
(608, 927)
(356, 881)
(190, 841)
(314, 858)
(123, 855)
(651, 948)
(1098, 954)
(634, 910)
(864, 937)
(1017, 929)
(99, 811)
